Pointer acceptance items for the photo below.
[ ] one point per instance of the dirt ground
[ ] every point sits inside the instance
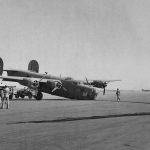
(61, 124)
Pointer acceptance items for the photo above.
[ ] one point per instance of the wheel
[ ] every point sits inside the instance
(39, 96)
(10, 96)
(29, 95)
(16, 96)
(22, 96)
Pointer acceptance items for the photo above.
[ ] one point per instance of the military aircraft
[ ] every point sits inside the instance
(65, 87)
(143, 90)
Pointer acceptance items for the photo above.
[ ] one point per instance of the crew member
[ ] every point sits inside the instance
(118, 95)
(1, 96)
(6, 97)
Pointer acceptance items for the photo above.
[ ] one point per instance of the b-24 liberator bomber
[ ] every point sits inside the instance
(60, 86)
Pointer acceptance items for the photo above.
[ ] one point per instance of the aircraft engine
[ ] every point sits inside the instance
(30, 83)
(100, 84)
(54, 85)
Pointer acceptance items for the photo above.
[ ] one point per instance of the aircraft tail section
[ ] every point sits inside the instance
(1, 66)
(33, 66)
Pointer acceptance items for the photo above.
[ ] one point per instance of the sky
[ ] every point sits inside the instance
(98, 39)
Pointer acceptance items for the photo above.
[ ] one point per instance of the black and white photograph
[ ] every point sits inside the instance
(74, 75)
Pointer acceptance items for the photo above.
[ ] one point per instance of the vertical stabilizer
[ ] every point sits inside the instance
(33, 66)
(1, 66)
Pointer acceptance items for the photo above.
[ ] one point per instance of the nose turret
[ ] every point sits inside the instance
(94, 94)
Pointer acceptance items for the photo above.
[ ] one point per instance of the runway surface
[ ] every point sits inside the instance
(62, 124)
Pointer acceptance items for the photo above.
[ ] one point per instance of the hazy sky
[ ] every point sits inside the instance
(102, 39)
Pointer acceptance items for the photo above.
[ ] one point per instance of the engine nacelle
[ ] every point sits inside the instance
(99, 84)
(31, 83)
(34, 84)
(54, 84)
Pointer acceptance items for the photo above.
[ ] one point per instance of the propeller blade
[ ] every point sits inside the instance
(54, 89)
(104, 91)
(65, 89)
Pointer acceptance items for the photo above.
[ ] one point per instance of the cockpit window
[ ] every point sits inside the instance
(68, 78)
(75, 83)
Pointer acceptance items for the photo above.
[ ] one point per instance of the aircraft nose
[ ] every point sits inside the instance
(94, 94)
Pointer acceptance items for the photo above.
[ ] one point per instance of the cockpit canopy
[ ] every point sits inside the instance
(68, 78)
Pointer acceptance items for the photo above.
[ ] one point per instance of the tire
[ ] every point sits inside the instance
(10, 96)
(29, 95)
(22, 96)
(16, 96)
(39, 96)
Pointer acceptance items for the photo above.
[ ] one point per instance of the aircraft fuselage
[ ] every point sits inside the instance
(71, 88)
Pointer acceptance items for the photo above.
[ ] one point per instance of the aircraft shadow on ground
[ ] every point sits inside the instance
(63, 99)
(67, 119)
(13, 100)
(54, 99)
(38, 100)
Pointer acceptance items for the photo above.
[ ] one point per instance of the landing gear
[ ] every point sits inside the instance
(16, 96)
(10, 96)
(30, 96)
(39, 96)
(22, 96)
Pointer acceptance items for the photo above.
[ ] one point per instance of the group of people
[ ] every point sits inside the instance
(4, 95)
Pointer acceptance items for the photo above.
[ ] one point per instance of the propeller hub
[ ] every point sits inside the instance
(58, 85)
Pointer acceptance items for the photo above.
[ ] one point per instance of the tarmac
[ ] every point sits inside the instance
(61, 124)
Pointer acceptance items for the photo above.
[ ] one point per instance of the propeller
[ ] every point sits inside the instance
(64, 89)
(54, 89)
(36, 83)
(58, 86)
(104, 91)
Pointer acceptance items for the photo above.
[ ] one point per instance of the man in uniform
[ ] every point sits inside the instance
(6, 97)
(1, 96)
(118, 95)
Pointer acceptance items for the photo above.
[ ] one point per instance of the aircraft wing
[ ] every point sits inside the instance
(99, 83)
(107, 81)
(92, 82)
(34, 83)
(13, 79)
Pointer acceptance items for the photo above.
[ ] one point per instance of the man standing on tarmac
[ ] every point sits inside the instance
(6, 97)
(1, 95)
(118, 95)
